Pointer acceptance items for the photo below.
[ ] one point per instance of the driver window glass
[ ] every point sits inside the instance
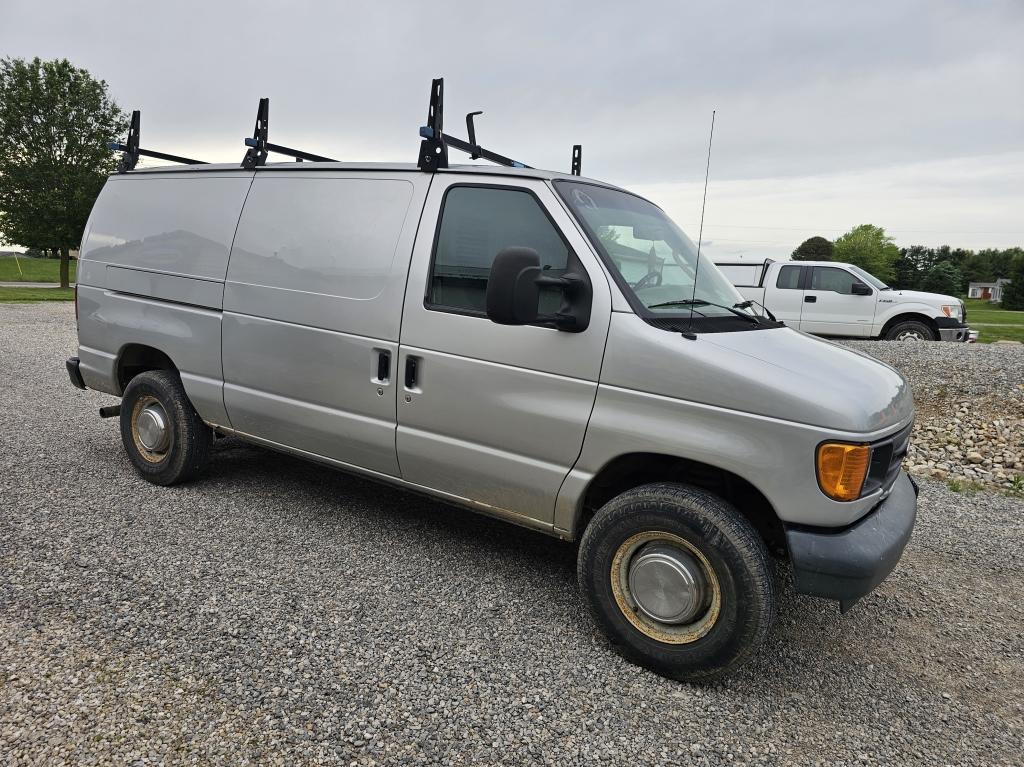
(830, 278)
(476, 224)
(789, 278)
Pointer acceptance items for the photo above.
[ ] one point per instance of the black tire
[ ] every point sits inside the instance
(911, 328)
(188, 438)
(726, 543)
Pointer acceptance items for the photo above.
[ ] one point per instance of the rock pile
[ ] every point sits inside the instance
(970, 410)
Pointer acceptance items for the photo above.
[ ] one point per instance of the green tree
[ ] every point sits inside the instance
(978, 268)
(869, 247)
(907, 275)
(943, 278)
(1013, 293)
(813, 249)
(55, 121)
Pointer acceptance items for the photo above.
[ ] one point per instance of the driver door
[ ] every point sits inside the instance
(493, 414)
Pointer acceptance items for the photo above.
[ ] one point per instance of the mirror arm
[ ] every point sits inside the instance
(568, 283)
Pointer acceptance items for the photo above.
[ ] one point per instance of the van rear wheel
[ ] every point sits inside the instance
(164, 436)
(678, 580)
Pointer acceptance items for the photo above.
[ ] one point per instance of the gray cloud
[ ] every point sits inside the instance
(803, 90)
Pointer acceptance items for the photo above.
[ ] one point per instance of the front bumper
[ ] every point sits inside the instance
(850, 563)
(954, 330)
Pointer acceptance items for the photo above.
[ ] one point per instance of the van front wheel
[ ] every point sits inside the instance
(678, 580)
(163, 435)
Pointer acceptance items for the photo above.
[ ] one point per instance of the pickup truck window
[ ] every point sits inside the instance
(652, 261)
(789, 278)
(834, 279)
(477, 222)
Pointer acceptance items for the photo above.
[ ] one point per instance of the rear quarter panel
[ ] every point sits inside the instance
(151, 272)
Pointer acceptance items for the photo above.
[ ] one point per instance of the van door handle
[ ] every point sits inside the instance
(412, 372)
(810, 299)
(383, 366)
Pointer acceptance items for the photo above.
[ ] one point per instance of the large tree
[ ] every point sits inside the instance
(55, 121)
(943, 278)
(813, 249)
(868, 247)
(907, 275)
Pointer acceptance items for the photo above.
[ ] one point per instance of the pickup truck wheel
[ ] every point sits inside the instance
(910, 331)
(164, 436)
(678, 580)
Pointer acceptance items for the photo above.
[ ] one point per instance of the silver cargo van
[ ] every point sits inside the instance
(532, 345)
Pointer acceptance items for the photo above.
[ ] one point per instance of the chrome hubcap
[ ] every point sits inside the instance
(909, 335)
(665, 587)
(151, 427)
(667, 583)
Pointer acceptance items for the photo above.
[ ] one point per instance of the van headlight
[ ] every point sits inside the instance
(951, 310)
(842, 468)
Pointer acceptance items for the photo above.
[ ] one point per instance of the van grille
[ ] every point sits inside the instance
(886, 458)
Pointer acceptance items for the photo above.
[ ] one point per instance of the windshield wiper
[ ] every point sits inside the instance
(750, 302)
(702, 302)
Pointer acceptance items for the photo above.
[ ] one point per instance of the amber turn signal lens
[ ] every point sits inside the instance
(842, 469)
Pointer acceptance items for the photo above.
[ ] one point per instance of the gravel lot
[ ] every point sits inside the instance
(277, 612)
(970, 410)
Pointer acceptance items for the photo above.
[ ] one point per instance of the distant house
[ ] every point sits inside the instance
(993, 291)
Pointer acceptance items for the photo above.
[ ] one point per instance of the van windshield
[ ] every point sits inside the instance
(654, 262)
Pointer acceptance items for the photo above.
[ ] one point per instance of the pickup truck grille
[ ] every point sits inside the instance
(886, 458)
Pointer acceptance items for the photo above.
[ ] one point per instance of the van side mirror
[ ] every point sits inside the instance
(514, 290)
(860, 289)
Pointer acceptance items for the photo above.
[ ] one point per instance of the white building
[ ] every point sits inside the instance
(993, 291)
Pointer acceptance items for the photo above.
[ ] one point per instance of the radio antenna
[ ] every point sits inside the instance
(703, 205)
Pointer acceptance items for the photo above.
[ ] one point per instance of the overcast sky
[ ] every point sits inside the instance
(904, 114)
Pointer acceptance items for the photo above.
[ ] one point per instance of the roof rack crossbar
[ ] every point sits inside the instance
(434, 147)
(132, 151)
(259, 147)
(577, 159)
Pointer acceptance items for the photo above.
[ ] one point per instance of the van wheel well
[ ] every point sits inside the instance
(136, 358)
(909, 317)
(635, 469)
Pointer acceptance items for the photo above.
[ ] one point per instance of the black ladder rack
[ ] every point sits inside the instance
(577, 159)
(259, 147)
(434, 147)
(132, 152)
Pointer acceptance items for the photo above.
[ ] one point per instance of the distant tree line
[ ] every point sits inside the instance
(934, 270)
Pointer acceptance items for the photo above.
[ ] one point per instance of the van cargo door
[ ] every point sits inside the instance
(312, 309)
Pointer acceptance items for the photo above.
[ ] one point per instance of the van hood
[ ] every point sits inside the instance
(803, 378)
(778, 373)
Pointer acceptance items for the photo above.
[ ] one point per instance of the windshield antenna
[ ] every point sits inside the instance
(700, 233)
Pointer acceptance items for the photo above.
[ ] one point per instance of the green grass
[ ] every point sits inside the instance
(33, 270)
(15, 295)
(992, 322)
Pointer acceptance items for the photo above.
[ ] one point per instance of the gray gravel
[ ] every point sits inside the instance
(970, 410)
(277, 612)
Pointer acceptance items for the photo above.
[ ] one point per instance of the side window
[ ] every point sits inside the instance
(476, 224)
(789, 278)
(831, 278)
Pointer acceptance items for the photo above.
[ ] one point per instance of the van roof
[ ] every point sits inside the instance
(411, 168)
(381, 167)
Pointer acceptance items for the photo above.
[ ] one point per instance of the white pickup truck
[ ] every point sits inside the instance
(833, 299)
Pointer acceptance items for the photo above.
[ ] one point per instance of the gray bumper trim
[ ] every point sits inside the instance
(961, 333)
(848, 564)
(74, 373)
